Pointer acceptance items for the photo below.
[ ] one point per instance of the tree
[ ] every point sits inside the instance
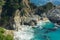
(13, 3)
(2, 2)
(47, 7)
(33, 6)
(9, 9)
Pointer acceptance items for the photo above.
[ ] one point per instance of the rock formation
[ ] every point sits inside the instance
(54, 15)
(20, 13)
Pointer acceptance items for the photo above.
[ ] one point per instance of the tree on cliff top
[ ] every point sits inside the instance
(47, 7)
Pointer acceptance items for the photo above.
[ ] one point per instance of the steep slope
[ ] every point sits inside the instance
(22, 12)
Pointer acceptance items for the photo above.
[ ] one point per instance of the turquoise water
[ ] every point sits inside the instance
(39, 34)
(54, 35)
(45, 34)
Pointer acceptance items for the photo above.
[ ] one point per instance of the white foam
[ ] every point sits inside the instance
(26, 32)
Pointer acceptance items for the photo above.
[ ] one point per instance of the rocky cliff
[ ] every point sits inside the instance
(54, 15)
(21, 12)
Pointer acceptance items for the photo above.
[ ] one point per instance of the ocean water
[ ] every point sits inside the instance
(54, 35)
(39, 32)
(50, 35)
(43, 2)
(42, 32)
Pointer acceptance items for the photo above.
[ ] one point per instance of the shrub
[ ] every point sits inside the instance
(2, 2)
(2, 37)
(9, 37)
(5, 37)
(2, 30)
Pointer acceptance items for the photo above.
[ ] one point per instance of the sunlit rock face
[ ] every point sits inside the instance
(26, 2)
(17, 19)
(54, 15)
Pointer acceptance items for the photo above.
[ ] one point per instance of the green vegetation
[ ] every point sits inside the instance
(47, 7)
(23, 13)
(2, 2)
(14, 3)
(2, 30)
(8, 10)
(10, 6)
(4, 37)
(4, 20)
(9, 37)
(33, 6)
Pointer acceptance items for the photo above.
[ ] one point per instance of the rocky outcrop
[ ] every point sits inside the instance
(17, 19)
(26, 3)
(54, 15)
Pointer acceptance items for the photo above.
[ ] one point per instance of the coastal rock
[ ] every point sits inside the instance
(28, 20)
(33, 22)
(54, 15)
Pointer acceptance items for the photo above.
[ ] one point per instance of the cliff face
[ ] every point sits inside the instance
(23, 16)
(19, 13)
(17, 20)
